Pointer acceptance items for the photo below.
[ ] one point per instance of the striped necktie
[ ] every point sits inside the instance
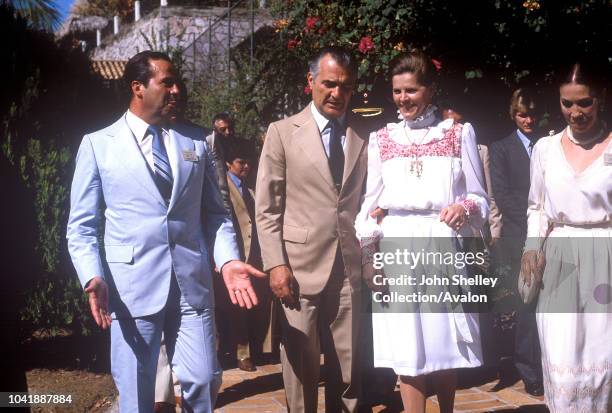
(161, 164)
(531, 145)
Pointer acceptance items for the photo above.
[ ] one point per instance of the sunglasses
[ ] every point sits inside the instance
(583, 103)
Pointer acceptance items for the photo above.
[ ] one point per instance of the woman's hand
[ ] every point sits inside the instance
(379, 214)
(532, 262)
(455, 216)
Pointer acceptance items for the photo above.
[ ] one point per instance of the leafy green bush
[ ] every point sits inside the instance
(50, 99)
(56, 301)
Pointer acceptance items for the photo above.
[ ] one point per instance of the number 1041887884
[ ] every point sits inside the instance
(33, 399)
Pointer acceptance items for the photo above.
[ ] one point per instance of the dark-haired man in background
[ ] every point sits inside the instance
(309, 186)
(222, 136)
(154, 185)
(248, 330)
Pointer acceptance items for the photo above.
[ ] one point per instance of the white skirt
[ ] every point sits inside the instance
(575, 320)
(415, 343)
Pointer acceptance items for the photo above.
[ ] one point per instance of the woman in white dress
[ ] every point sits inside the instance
(428, 175)
(570, 201)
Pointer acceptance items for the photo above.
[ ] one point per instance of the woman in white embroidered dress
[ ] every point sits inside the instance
(428, 175)
(571, 200)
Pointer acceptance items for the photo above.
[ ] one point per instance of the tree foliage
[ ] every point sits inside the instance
(41, 14)
(105, 8)
(484, 48)
(476, 38)
(50, 98)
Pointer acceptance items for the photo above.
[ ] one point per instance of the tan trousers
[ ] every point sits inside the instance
(164, 383)
(328, 321)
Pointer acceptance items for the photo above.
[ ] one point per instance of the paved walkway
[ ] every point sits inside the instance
(262, 392)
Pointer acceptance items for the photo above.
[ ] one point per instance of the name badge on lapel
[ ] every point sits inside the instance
(608, 159)
(190, 156)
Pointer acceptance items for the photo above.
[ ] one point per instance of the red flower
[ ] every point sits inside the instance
(307, 90)
(291, 44)
(366, 44)
(437, 64)
(311, 22)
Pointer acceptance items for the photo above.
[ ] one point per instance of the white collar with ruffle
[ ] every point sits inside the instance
(426, 120)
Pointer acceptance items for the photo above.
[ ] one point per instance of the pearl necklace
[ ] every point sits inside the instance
(585, 142)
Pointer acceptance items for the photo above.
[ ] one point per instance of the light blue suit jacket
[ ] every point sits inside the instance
(144, 239)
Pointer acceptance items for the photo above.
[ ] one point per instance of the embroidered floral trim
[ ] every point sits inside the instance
(471, 207)
(570, 389)
(574, 371)
(449, 145)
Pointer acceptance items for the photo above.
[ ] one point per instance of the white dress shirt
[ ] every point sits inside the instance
(322, 122)
(145, 140)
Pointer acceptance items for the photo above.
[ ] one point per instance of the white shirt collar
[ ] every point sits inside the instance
(321, 120)
(138, 126)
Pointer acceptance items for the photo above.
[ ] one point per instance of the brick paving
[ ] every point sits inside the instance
(262, 391)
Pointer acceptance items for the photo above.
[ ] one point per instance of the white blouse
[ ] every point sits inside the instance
(445, 154)
(560, 195)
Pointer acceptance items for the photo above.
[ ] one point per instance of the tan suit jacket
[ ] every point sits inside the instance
(301, 217)
(495, 216)
(241, 218)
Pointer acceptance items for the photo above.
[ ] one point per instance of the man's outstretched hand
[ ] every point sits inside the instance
(237, 277)
(97, 290)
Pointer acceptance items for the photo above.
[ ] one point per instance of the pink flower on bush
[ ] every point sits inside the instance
(311, 22)
(307, 90)
(366, 44)
(437, 64)
(292, 44)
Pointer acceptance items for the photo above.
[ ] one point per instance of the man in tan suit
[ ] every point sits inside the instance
(310, 180)
(249, 330)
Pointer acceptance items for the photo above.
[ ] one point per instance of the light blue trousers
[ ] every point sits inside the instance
(190, 343)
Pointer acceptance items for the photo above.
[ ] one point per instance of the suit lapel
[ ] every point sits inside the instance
(181, 168)
(308, 138)
(520, 150)
(126, 149)
(354, 146)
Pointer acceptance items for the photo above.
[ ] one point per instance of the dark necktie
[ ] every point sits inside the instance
(336, 153)
(531, 144)
(161, 164)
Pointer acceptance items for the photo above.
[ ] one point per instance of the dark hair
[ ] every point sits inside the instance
(239, 149)
(339, 54)
(417, 63)
(522, 98)
(589, 73)
(138, 68)
(224, 116)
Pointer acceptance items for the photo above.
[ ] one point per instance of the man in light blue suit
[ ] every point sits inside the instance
(155, 187)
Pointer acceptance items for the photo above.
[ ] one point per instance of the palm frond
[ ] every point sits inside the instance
(42, 14)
